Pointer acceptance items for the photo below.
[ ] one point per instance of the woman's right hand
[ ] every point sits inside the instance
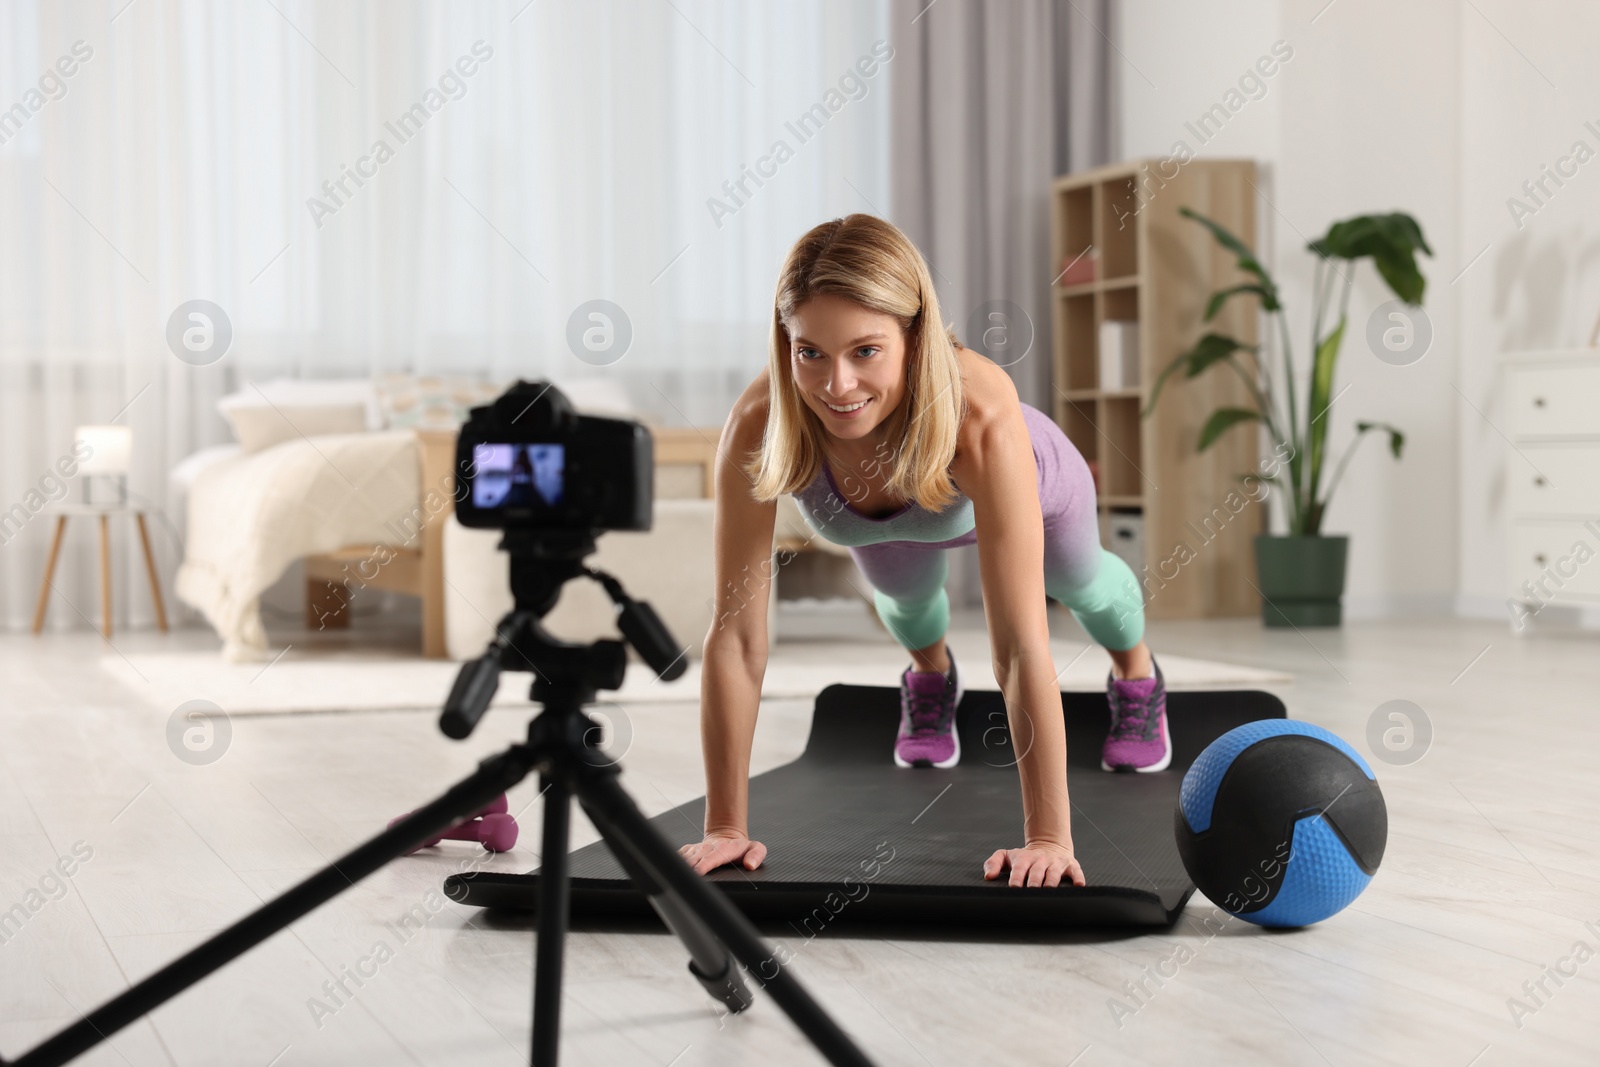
(720, 848)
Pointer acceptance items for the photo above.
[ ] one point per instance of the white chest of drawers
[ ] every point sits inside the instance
(1553, 481)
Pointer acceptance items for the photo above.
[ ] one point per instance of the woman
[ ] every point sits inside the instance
(899, 443)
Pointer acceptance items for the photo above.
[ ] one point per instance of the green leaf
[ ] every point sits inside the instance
(1246, 259)
(1397, 440)
(1208, 350)
(1155, 389)
(1400, 271)
(1390, 241)
(1269, 302)
(1322, 365)
(1220, 421)
(1349, 239)
(1213, 348)
(1224, 238)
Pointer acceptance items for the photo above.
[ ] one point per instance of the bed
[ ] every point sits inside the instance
(322, 474)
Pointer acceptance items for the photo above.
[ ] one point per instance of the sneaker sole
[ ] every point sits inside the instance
(955, 735)
(1160, 765)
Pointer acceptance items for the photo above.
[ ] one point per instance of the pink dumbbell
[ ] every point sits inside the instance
(492, 828)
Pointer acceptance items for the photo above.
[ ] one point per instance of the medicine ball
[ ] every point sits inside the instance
(1281, 823)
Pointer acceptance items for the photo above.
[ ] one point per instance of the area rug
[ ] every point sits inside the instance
(323, 682)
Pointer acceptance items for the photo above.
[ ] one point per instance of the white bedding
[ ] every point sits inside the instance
(251, 516)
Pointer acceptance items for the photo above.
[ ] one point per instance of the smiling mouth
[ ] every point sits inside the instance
(846, 409)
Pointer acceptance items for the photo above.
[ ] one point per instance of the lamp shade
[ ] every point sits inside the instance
(111, 449)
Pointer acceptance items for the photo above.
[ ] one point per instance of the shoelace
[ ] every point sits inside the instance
(926, 710)
(1134, 721)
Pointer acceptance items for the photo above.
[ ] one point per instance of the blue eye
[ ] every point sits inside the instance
(801, 352)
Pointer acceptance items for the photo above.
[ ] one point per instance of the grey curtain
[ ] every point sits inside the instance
(989, 102)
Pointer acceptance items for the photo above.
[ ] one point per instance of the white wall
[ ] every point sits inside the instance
(1525, 97)
(1383, 107)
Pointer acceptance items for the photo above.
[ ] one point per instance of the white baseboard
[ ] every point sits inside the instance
(1400, 606)
(1552, 616)
(1479, 606)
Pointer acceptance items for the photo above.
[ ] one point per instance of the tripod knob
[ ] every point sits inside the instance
(644, 629)
(469, 698)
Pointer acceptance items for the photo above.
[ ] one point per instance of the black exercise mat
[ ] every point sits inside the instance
(853, 838)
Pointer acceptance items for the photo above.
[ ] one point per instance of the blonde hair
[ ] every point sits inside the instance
(869, 261)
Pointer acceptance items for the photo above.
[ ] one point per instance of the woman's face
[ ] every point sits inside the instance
(844, 356)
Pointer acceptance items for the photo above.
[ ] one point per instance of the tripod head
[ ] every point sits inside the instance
(529, 464)
(567, 675)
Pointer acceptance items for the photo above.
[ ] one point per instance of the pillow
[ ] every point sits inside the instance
(444, 401)
(432, 401)
(601, 396)
(310, 392)
(260, 426)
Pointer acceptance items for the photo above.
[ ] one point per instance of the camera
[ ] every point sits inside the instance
(528, 464)
(529, 461)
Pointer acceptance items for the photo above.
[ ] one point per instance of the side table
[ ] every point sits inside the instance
(63, 512)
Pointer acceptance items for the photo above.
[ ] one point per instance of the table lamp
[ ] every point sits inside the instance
(110, 456)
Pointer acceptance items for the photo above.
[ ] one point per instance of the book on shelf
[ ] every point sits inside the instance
(1119, 354)
(1079, 269)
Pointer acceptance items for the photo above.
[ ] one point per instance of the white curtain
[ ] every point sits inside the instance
(535, 156)
(991, 102)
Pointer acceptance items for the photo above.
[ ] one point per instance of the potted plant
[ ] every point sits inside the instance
(1301, 574)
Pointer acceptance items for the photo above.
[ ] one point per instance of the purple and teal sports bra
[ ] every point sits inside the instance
(827, 510)
(1063, 477)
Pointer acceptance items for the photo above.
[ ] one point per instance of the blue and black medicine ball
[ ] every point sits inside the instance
(1281, 823)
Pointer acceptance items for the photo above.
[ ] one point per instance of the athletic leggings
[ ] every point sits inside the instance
(1100, 589)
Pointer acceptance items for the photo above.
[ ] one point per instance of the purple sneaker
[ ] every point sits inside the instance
(1138, 739)
(928, 702)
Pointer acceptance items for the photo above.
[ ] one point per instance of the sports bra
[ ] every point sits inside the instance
(829, 513)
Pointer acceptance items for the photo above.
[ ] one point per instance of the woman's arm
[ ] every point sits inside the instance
(996, 470)
(734, 655)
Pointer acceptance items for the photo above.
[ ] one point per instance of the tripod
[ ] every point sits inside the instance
(559, 746)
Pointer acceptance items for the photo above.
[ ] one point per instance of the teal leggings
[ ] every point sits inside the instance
(908, 591)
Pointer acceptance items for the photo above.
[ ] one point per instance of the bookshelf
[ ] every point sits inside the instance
(1154, 269)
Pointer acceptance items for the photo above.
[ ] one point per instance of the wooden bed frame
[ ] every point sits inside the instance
(417, 567)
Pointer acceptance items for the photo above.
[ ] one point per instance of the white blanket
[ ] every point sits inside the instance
(251, 516)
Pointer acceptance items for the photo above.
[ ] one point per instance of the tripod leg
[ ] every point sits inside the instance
(616, 815)
(709, 960)
(553, 897)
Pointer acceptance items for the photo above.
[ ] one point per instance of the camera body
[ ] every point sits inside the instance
(529, 461)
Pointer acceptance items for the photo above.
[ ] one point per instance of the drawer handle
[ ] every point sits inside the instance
(1539, 558)
(1538, 480)
(1538, 401)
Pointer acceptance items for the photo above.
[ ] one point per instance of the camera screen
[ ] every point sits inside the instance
(518, 475)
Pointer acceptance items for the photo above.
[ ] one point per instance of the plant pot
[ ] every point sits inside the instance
(1301, 579)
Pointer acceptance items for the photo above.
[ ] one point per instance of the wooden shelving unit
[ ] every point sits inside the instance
(1158, 269)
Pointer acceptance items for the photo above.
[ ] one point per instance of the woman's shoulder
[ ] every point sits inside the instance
(990, 395)
(749, 413)
(757, 396)
(746, 425)
(985, 380)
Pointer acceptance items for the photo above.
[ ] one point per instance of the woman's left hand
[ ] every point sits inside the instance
(1039, 864)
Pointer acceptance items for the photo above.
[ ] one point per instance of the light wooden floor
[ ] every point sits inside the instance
(1489, 879)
